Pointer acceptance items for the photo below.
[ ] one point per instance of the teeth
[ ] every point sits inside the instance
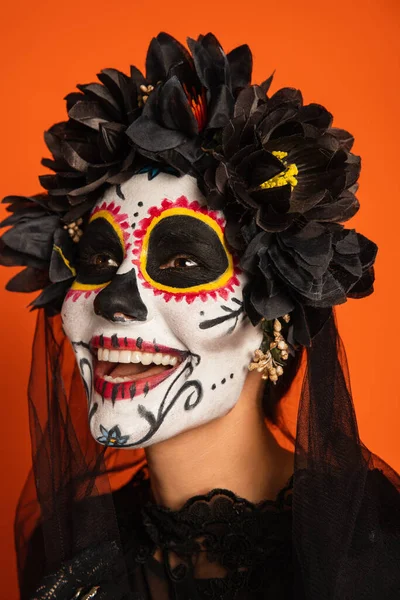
(125, 356)
(116, 379)
(157, 358)
(128, 356)
(146, 358)
(113, 356)
(136, 357)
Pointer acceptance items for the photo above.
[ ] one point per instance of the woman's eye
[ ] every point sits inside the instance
(103, 260)
(180, 262)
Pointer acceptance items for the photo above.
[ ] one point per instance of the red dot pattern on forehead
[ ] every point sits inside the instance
(154, 212)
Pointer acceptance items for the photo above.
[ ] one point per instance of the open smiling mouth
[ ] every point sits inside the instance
(125, 368)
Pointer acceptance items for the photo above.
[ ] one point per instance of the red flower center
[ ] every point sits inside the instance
(198, 105)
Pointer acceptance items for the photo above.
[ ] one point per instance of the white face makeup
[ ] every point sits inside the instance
(155, 315)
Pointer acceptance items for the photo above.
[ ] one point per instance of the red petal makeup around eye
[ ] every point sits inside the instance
(75, 292)
(215, 280)
(119, 221)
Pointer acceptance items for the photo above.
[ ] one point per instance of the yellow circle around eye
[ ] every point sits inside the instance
(88, 287)
(210, 286)
(101, 214)
(104, 214)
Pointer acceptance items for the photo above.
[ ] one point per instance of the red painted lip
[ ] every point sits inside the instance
(131, 389)
(124, 343)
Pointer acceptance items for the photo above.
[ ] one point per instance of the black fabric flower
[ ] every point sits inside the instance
(286, 180)
(38, 241)
(317, 266)
(91, 148)
(194, 97)
(182, 96)
(281, 161)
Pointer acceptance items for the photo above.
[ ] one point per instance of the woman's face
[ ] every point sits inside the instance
(155, 315)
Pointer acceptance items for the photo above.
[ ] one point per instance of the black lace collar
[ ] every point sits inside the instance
(216, 540)
(228, 528)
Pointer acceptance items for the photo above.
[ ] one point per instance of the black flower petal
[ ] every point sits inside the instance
(52, 297)
(63, 257)
(163, 54)
(33, 237)
(28, 280)
(241, 65)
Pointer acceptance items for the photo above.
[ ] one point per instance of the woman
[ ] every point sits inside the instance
(191, 250)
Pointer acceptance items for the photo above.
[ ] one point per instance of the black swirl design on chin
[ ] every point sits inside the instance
(192, 400)
(83, 363)
(76, 345)
(194, 397)
(86, 365)
(93, 411)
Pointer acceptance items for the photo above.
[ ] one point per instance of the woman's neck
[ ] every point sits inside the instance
(235, 452)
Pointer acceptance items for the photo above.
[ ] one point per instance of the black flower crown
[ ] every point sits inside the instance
(283, 176)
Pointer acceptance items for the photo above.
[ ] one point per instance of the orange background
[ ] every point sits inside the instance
(344, 55)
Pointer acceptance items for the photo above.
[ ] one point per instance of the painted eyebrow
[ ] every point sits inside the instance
(99, 232)
(187, 234)
(180, 237)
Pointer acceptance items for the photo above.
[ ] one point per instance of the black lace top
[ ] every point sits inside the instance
(218, 546)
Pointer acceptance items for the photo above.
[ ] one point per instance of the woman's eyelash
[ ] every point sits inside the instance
(166, 264)
(89, 256)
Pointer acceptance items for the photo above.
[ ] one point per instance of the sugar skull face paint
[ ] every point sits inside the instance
(155, 315)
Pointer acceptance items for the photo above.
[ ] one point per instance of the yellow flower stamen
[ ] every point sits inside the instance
(279, 154)
(288, 176)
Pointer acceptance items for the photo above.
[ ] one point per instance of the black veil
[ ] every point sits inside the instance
(346, 503)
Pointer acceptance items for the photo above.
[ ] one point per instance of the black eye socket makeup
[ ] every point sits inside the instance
(183, 239)
(101, 253)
